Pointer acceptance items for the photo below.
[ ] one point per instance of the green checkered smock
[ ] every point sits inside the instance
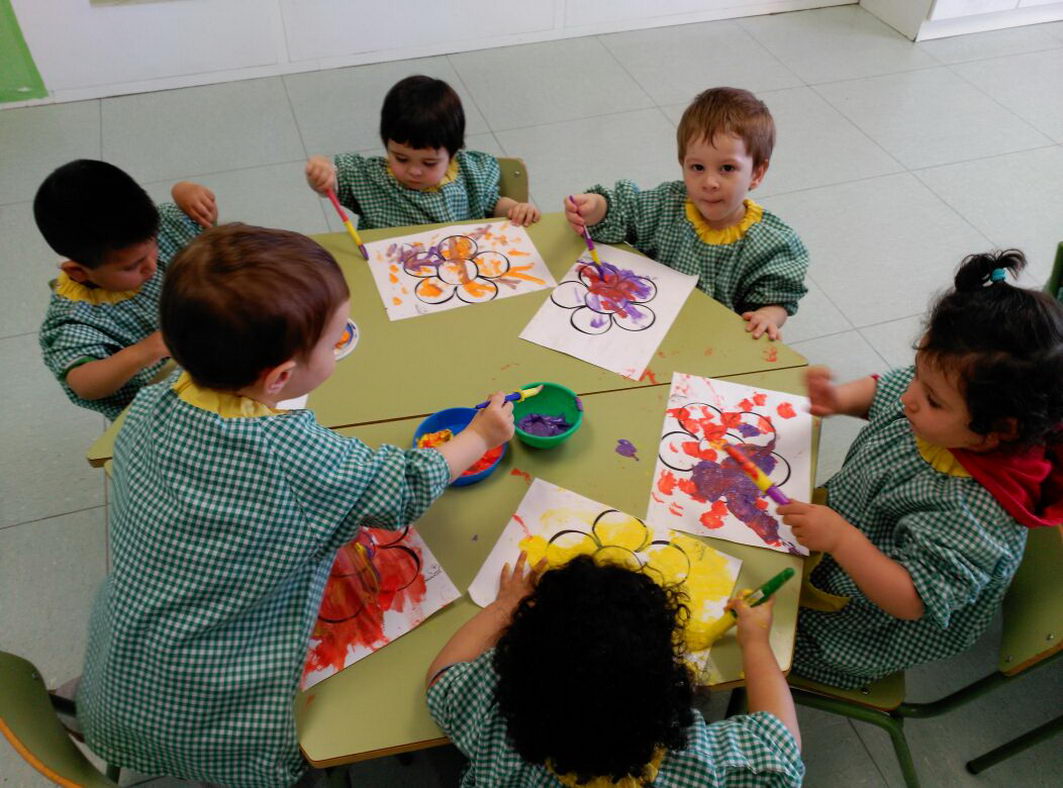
(76, 332)
(748, 750)
(222, 533)
(959, 545)
(365, 186)
(765, 266)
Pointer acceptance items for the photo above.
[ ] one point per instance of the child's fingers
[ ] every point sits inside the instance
(518, 570)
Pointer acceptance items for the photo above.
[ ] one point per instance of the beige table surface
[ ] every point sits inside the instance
(413, 367)
(377, 707)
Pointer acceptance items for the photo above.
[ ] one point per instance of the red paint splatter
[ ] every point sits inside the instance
(660, 353)
(760, 503)
(690, 488)
(370, 575)
(760, 398)
(518, 472)
(656, 497)
(522, 524)
(709, 351)
(666, 483)
(648, 373)
(675, 509)
(771, 353)
(786, 410)
(713, 517)
(746, 404)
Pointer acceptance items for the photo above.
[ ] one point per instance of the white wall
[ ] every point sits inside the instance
(87, 51)
(921, 20)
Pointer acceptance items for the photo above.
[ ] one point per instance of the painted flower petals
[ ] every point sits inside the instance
(569, 294)
(590, 322)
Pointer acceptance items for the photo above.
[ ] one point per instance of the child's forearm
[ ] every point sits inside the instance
(766, 687)
(884, 581)
(476, 636)
(503, 205)
(855, 397)
(98, 379)
(461, 452)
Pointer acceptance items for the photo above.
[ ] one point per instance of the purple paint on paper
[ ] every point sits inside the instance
(626, 448)
(543, 425)
(748, 430)
(726, 480)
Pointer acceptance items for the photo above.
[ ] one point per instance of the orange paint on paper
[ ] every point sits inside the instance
(648, 374)
(393, 279)
(396, 300)
(517, 272)
(771, 353)
(786, 410)
(760, 503)
(691, 489)
(518, 253)
(676, 509)
(666, 484)
(713, 517)
(760, 398)
(746, 404)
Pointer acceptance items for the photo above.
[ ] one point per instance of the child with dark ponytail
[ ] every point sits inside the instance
(925, 524)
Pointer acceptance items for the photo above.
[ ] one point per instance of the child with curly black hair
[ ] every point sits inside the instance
(579, 679)
(925, 523)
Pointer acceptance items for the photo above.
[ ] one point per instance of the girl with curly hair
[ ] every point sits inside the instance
(925, 524)
(578, 678)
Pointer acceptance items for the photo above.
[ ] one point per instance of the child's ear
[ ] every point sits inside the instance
(758, 174)
(75, 271)
(274, 379)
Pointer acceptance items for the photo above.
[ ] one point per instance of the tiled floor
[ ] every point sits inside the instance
(894, 161)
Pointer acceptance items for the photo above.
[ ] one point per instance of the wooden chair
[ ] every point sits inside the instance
(514, 179)
(29, 721)
(1032, 638)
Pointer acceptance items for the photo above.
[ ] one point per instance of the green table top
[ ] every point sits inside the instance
(376, 707)
(413, 367)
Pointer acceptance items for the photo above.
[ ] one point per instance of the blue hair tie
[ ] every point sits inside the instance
(997, 275)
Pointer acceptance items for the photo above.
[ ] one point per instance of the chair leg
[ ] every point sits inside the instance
(1015, 746)
(893, 725)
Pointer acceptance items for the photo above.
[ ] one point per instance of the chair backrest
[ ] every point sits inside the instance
(1033, 606)
(29, 723)
(514, 179)
(1054, 286)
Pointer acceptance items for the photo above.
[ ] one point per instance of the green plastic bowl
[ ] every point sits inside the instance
(553, 400)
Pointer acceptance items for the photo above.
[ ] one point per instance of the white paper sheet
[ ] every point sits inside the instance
(614, 320)
(456, 266)
(699, 489)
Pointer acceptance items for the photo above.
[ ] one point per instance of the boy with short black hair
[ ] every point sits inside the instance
(743, 255)
(100, 335)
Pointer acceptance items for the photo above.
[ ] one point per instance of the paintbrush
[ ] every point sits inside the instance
(756, 474)
(587, 237)
(347, 223)
(516, 396)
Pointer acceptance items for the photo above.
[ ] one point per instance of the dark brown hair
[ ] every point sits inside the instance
(422, 112)
(1005, 345)
(728, 111)
(241, 299)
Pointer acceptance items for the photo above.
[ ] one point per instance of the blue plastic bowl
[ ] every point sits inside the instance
(455, 420)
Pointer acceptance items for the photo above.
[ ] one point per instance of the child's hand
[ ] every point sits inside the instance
(816, 527)
(588, 209)
(514, 585)
(767, 319)
(154, 348)
(495, 422)
(754, 623)
(197, 201)
(523, 214)
(821, 391)
(320, 174)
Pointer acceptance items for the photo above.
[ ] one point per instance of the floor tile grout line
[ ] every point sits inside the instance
(609, 51)
(461, 80)
(775, 56)
(993, 98)
(956, 212)
(1052, 144)
(860, 129)
(867, 751)
(987, 58)
(295, 118)
(16, 336)
(49, 517)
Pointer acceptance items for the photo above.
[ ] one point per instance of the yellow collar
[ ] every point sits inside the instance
(226, 405)
(450, 176)
(649, 774)
(728, 235)
(67, 288)
(940, 459)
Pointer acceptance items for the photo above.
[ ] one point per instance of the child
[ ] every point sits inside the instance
(579, 680)
(926, 521)
(744, 256)
(426, 176)
(100, 336)
(227, 513)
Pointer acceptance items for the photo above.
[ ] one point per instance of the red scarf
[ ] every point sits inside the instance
(1028, 484)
